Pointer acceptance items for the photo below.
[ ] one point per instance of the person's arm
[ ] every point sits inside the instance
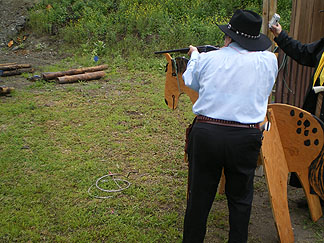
(190, 76)
(304, 54)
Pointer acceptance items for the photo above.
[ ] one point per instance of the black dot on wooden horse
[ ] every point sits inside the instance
(292, 113)
(306, 123)
(299, 122)
(306, 132)
(301, 114)
(316, 142)
(314, 130)
(307, 142)
(298, 130)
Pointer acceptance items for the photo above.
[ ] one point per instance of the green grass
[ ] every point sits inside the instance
(57, 140)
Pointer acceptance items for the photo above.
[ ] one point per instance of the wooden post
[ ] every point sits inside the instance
(277, 176)
(269, 9)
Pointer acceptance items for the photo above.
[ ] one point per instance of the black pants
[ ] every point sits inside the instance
(211, 148)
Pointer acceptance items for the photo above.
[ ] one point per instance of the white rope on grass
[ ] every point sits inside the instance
(117, 182)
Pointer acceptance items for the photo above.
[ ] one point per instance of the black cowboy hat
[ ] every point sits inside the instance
(244, 28)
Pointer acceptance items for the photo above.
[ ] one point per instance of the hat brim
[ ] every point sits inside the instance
(260, 44)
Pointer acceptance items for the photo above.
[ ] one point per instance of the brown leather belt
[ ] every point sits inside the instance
(214, 121)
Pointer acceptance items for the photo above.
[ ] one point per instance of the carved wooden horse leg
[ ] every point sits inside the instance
(293, 142)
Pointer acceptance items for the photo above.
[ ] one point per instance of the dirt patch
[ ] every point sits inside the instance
(262, 223)
(35, 50)
(262, 226)
(13, 17)
(29, 55)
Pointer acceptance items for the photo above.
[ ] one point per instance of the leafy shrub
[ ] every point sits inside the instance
(138, 27)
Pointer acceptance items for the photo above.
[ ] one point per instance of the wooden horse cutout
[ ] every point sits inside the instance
(294, 142)
(174, 85)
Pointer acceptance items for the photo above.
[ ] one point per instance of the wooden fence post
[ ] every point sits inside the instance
(269, 9)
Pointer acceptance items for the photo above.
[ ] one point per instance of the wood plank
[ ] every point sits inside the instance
(294, 141)
(298, 87)
(302, 139)
(292, 83)
(269, 9)
(295, 21)
(276, 171)
(301, 135)
(319, 103)
(319, 20)
(265, 16)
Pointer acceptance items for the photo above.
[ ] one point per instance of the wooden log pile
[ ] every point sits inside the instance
(75, 75)
(6, 90)
(11, 69)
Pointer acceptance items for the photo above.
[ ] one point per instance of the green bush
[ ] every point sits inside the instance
(139, 27)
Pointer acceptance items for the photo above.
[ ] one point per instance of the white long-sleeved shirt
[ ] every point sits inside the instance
(233, 84)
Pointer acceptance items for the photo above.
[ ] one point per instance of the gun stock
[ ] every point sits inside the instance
(205, 48)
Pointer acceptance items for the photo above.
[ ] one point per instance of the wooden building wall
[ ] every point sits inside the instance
(307, 25)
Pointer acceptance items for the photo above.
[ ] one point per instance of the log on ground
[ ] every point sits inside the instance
(54, 75)
(80, 77)
(6, 67)
(16, 72)
(7, 64)
(6, 90)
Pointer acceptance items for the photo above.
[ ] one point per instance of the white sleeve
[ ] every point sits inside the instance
(190, 76)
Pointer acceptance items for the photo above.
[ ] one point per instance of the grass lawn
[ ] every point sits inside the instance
(57, 140)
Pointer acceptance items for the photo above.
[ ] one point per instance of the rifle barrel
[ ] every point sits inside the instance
(181, 50)
(205, 48)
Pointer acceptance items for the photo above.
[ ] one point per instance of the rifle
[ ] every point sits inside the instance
(205, 48)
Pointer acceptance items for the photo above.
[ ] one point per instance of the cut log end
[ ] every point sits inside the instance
(6, 90)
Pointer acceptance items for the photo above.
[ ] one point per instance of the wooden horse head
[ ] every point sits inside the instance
(174, 84)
